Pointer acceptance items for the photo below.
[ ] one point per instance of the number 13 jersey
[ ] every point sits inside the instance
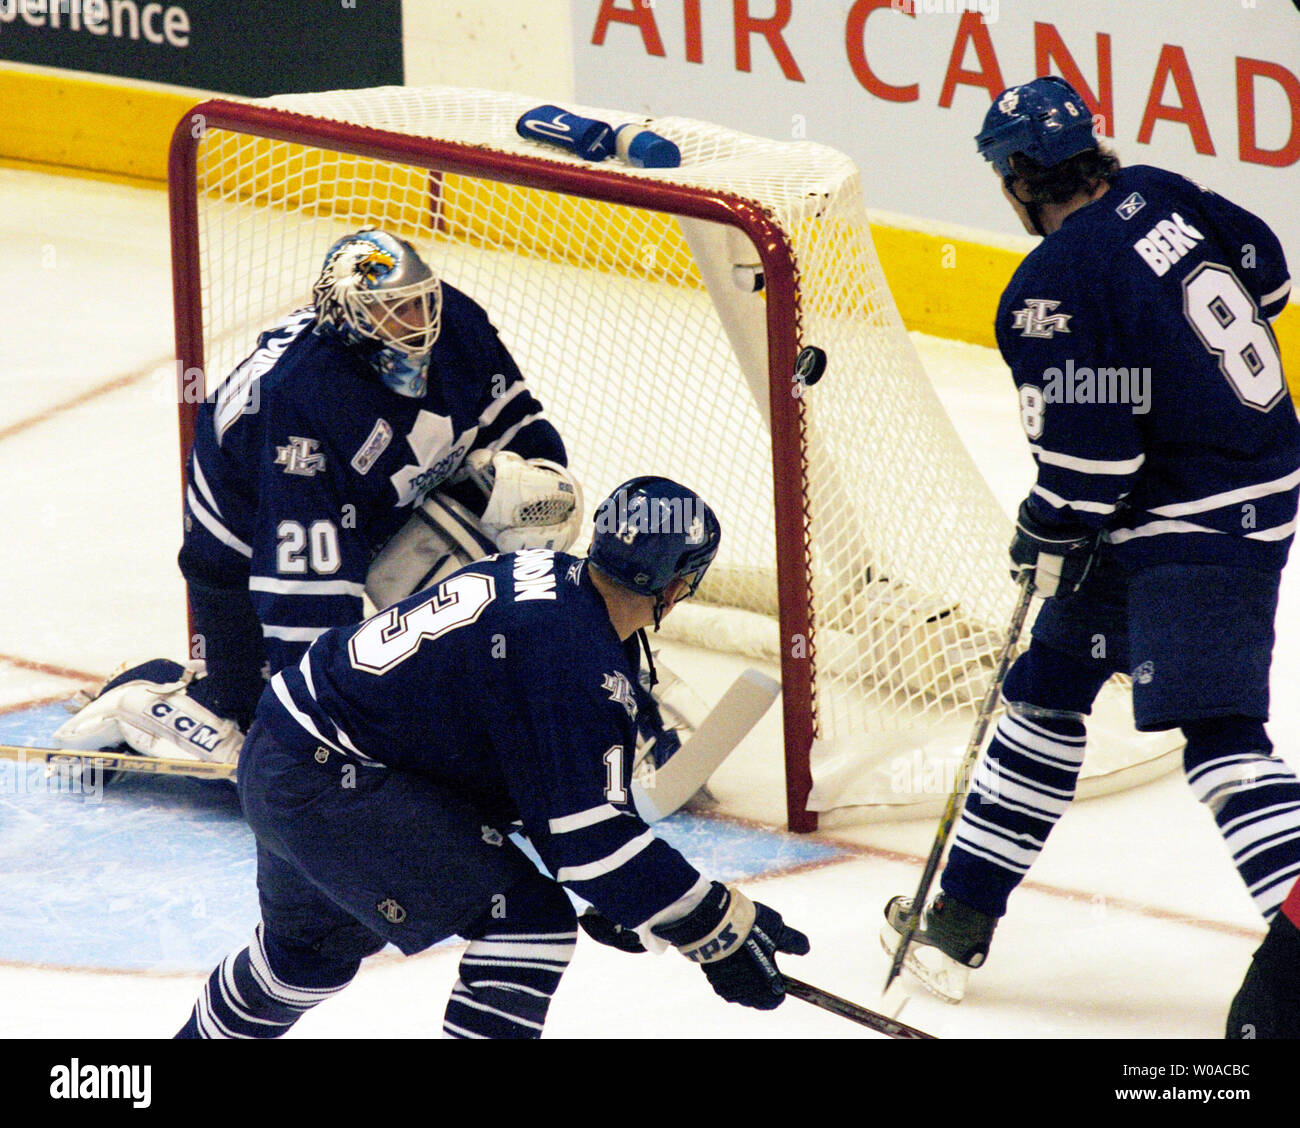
(508, 684)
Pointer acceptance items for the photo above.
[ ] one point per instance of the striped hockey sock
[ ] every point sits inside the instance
(513, 966)
(246, 997)
(1021, 787)
(1255, 800)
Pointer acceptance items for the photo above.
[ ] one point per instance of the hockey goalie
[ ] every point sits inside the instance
(373, 442)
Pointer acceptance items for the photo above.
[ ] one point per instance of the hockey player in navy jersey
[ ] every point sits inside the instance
(385, 418)
(1152, 394)
(386, 767)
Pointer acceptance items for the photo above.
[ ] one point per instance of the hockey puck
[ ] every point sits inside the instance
(809, 365)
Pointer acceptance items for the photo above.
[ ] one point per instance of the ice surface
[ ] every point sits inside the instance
(1134, 923)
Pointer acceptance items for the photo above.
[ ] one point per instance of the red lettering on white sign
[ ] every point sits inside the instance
(1173, 63)
(694, 33)
(1247, 148)
(972, 29)
(770, 29)
(641, 15)
(855, 29)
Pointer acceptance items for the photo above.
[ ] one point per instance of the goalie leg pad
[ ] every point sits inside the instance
(157, 709)
(441, 537)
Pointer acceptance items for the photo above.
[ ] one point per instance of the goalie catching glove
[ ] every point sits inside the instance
(529, 504)
(1060, 556)
(157, 708)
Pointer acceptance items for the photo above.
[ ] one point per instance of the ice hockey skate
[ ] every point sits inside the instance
(952, 939)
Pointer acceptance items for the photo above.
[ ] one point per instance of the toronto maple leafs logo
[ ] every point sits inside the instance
(1038, 320)
(1009, 101)
(438, 452)
(620, 692)
(300, 457)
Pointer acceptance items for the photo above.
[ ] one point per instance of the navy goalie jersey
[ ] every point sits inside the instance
(508, 684)
(305, 463)
(1151, 387)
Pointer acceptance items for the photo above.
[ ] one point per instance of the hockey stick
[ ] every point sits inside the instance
(117, 762)
(949, 818)
(854, 1013)
(658, 794)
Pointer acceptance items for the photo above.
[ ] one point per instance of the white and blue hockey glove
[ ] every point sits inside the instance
(735, 941)
(1060, 556)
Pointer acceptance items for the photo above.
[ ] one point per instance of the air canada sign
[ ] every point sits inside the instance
(1217, 87)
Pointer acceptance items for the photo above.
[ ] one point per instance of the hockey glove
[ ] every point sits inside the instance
(604, 931)
(1060, 556)
(531, 502)
(735, 941)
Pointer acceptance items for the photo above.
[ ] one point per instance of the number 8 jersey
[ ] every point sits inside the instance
(1151, 386)
(508, 684)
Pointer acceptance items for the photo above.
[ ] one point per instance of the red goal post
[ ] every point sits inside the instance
(624, 294)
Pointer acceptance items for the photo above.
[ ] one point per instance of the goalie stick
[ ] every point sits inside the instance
(880, 1023)
(962, 783)
(118, 762)
(656, 796)
(658, 793)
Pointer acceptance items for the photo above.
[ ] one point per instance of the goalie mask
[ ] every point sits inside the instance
(651, 531)
(375, 287)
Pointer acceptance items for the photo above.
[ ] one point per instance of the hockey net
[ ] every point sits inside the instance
(862, 551)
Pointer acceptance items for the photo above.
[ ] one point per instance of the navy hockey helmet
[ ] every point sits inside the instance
(1045, 119)
(651, 531)
(374, 286)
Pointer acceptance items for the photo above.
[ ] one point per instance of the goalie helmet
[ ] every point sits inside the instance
(375, 287)
(651, 531)
(1045, 119)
